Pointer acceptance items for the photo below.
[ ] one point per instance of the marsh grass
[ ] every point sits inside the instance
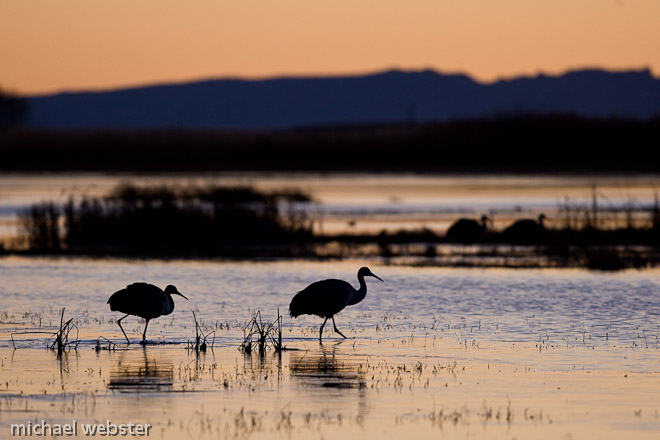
(107, 344)
(206, 220)
(241, 222)
(201, 342)
(40, 226)
(59, 340)
(261, 335)
(398, 383)
(62, 341)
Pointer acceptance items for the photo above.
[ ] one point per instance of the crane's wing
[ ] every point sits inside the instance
(322, 298)
(140, 299)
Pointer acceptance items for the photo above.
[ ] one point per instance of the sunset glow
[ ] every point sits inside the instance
(49, 46)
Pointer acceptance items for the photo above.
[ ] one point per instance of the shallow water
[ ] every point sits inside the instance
(452, 353)
(368, 203)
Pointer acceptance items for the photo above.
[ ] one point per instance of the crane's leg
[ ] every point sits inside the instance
(321, 331)
(122, 328)
(144, 334)
(336, 329)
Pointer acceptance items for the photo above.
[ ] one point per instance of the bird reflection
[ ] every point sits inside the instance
(325, 369)
(141, 374)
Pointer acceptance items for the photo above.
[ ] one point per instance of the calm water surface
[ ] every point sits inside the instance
(452, 353)
(431, 352)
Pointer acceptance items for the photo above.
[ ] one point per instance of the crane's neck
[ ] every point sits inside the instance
(360, 293)
(168, 307)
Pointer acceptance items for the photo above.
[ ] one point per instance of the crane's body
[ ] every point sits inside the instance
(326, 298)
(144, 300)
(467, 230)
(525, 231)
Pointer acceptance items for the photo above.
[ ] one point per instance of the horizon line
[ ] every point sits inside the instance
(311, 76)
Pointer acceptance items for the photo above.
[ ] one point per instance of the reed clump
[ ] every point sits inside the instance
(103, 343)
(206, 220)
(40, 226)
(201, 342)
(61, 341)
(260, 335)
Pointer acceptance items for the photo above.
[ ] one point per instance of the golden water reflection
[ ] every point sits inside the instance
(325, 368)
(138, 372)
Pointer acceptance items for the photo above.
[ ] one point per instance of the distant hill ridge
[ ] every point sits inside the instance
(388, 97)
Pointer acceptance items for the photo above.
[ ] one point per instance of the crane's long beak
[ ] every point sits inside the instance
(377, 277)
(181, 294)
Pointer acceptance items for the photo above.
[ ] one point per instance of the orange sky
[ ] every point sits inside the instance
(49, 46)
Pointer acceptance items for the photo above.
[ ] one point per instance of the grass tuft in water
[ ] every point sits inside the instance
(61, 341)
(107, 344)
(201, 343)
(260, 335)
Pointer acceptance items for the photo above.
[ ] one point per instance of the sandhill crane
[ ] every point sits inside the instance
(525, 231)
(467, 230)
(326, 298)
(144, 300)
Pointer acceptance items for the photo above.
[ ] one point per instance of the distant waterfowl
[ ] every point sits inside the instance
(326, 298)
(144, 300)
(525, 231)
(466, 230)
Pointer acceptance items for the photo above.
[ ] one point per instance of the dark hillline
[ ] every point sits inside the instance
(383, 98)
(394, 121)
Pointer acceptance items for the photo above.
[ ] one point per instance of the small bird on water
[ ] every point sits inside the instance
(326, 298)
(144, 300)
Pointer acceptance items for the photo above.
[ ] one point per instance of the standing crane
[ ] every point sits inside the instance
(525, 231)
(144, 300)
(467, 230)
(326, 298)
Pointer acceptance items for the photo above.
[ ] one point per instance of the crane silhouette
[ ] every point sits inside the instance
(525, 230)
(467, 230)
(144, 300)
(326, 298)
